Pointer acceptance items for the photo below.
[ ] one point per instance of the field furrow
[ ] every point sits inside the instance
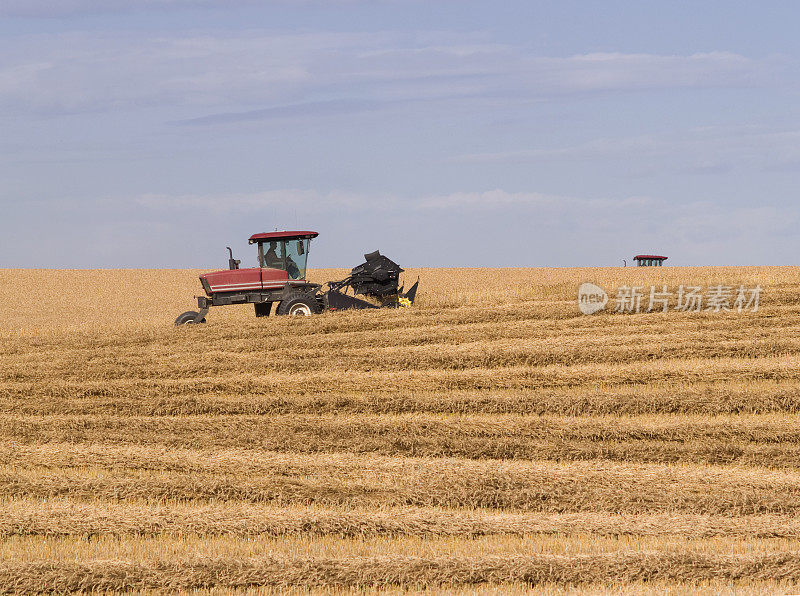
(392, 570)
(160, 475)
(769, 441)
(106, 518)
(582, 399)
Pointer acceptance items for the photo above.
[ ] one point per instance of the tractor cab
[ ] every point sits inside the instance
(282, 258)
(285, 251)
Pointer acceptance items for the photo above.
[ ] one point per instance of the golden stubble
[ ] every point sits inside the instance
(489, 438)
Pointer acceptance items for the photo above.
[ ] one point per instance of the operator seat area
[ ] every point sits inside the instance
(288, 255)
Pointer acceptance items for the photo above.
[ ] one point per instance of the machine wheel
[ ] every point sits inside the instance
(299, 304)
(188, 317)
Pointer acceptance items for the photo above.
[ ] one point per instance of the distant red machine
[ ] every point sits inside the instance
(649, 260)
(281, 278)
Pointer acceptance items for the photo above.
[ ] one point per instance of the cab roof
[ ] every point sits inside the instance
(288, 235)
(656, 257)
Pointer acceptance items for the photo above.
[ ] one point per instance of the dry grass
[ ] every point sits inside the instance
(158, 474)
(755, 440)
(738, 587)
(103, 518)
(489, 439)
(393, 570)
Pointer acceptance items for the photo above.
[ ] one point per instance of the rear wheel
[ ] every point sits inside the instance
(188, 318)
(299, 305)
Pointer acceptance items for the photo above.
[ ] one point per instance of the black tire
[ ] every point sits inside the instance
(299, 304)
(188, 317)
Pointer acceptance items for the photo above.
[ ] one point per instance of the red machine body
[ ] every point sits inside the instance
(649, 260)
(243, 280)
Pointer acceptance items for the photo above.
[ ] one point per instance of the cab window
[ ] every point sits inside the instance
(288, 255)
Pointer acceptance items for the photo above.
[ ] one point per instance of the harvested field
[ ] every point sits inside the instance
(489, 439)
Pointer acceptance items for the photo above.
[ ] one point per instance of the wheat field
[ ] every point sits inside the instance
(491, 439)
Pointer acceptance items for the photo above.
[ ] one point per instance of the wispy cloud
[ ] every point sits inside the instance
(691, 219)
(344, 201)
(334, 107)
(87, 72)
(578, 229)
(468, 228)
(60, 8)
(707, 150)
(264, 75)
(616, 71)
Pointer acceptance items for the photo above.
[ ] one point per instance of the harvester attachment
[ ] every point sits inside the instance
(411, 295)
(337, 300)
(378, 278)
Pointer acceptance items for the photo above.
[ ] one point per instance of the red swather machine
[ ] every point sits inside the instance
(281, 277)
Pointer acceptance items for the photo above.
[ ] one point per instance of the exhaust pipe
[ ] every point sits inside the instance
(232, 263)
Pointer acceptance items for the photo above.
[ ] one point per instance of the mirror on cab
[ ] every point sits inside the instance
(300, 249)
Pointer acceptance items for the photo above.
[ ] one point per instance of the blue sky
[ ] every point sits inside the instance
(153, 133)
